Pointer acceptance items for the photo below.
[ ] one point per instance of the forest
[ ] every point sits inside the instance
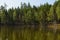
(30, 15)
(30, 23)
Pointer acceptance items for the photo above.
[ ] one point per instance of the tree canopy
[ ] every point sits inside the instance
(30, 15)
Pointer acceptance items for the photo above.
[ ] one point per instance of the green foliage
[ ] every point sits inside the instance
(58, 11)
(50, 14)
(28, 14)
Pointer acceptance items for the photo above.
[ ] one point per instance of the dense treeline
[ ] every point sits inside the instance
(26, 14)
(30, 15)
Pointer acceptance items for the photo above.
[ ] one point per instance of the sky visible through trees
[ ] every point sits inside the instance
(16, 3)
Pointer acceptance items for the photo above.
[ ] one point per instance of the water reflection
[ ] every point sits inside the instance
(16, 32)
(25, 32)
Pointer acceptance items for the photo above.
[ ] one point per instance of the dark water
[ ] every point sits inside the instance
(8, 32)
(26, 32)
